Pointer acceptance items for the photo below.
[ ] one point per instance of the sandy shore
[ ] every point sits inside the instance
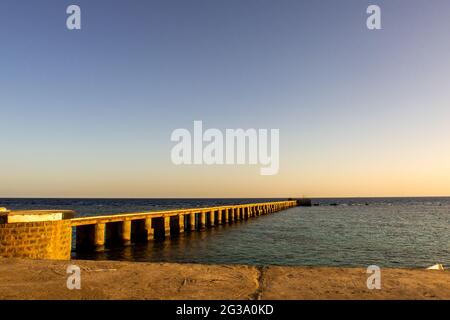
(39, 279)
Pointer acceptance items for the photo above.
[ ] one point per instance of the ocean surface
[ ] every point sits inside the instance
(388, 232)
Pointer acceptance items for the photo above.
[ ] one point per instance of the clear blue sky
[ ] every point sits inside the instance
(90, 112)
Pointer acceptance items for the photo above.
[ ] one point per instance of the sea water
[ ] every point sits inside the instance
(388, 232)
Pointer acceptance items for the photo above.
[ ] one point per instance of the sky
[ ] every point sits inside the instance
(90, 112)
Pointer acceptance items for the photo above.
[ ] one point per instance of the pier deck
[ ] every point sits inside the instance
(48, 234)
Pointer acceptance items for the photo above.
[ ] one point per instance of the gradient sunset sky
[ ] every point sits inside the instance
(89, 113)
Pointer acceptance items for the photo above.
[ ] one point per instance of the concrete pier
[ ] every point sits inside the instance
(98, 232)
(170, 223)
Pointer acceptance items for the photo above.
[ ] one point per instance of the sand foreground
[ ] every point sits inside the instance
(41, 279)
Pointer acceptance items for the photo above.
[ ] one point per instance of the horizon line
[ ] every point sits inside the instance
(188, 198)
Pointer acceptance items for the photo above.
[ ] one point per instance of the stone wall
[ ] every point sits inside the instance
(36, 240)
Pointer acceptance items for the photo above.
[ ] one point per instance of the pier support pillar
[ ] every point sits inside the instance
(202, 220)
(149, 229)
(212, 218)
(219, 216)
(181, 223)
(166, 226)
(226, 215)
(192, 221)
(126, 232)
(99, 239)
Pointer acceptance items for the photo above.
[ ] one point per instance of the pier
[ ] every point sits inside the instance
(48, 234)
